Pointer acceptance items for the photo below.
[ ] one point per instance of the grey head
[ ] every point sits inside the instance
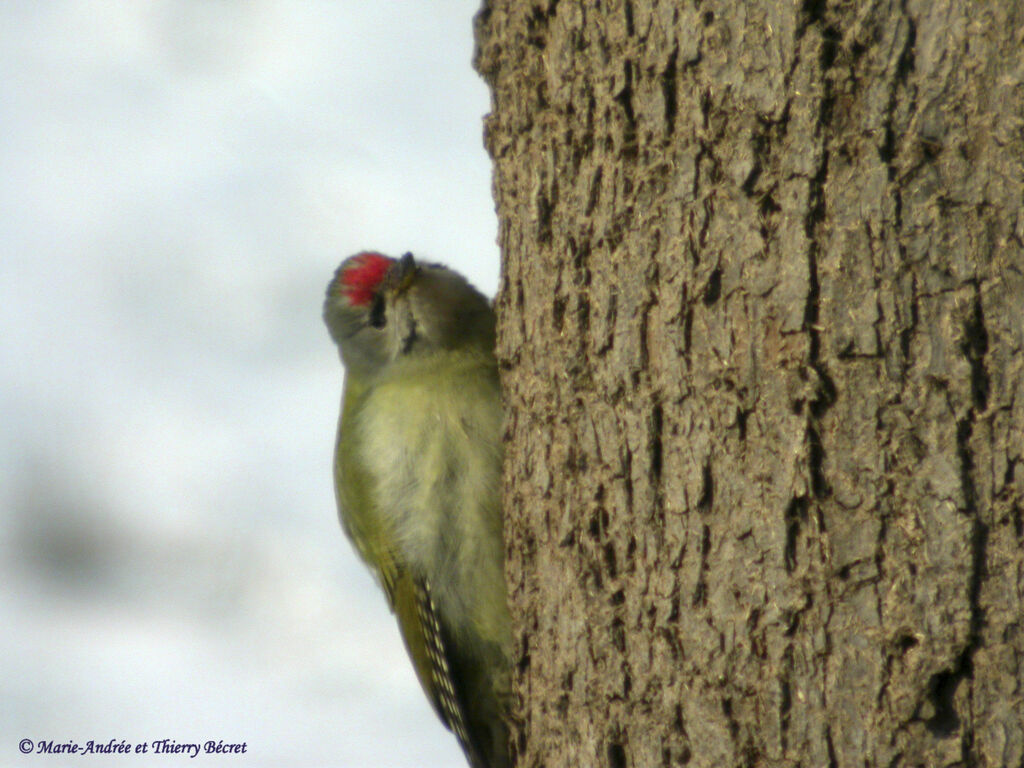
(379, 310)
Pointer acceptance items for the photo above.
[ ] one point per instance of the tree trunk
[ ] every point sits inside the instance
(762, 338)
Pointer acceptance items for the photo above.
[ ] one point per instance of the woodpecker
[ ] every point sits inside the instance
(417, 470)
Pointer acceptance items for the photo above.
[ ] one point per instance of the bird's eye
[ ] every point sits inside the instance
(377, 317)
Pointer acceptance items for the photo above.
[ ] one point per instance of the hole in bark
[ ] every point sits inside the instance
(734, 727)
(700, 591)
(930, 147)
(708, 18)
(714, 287)
(815, 10)
(825, 395)
(796, 513)
(941, 690)
(609, 560)
(616, 756)
(668, 93)
(766, 206)
(905, 642)
(906, 63)
(829, 46)
(755, 172)
(832, 761)
(595, 192)
(707, 489)
(974, 346)
(789, 555)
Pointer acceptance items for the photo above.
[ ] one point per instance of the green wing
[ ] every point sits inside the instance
(421, 630)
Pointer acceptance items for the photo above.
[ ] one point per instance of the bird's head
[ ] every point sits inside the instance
(379, 310)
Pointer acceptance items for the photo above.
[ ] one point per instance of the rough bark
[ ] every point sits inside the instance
(761, 329)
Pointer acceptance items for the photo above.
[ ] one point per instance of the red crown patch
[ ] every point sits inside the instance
(362, 277)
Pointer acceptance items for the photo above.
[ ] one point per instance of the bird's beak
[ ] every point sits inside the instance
(402, 274)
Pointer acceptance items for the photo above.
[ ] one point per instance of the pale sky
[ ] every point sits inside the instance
(178, 181)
